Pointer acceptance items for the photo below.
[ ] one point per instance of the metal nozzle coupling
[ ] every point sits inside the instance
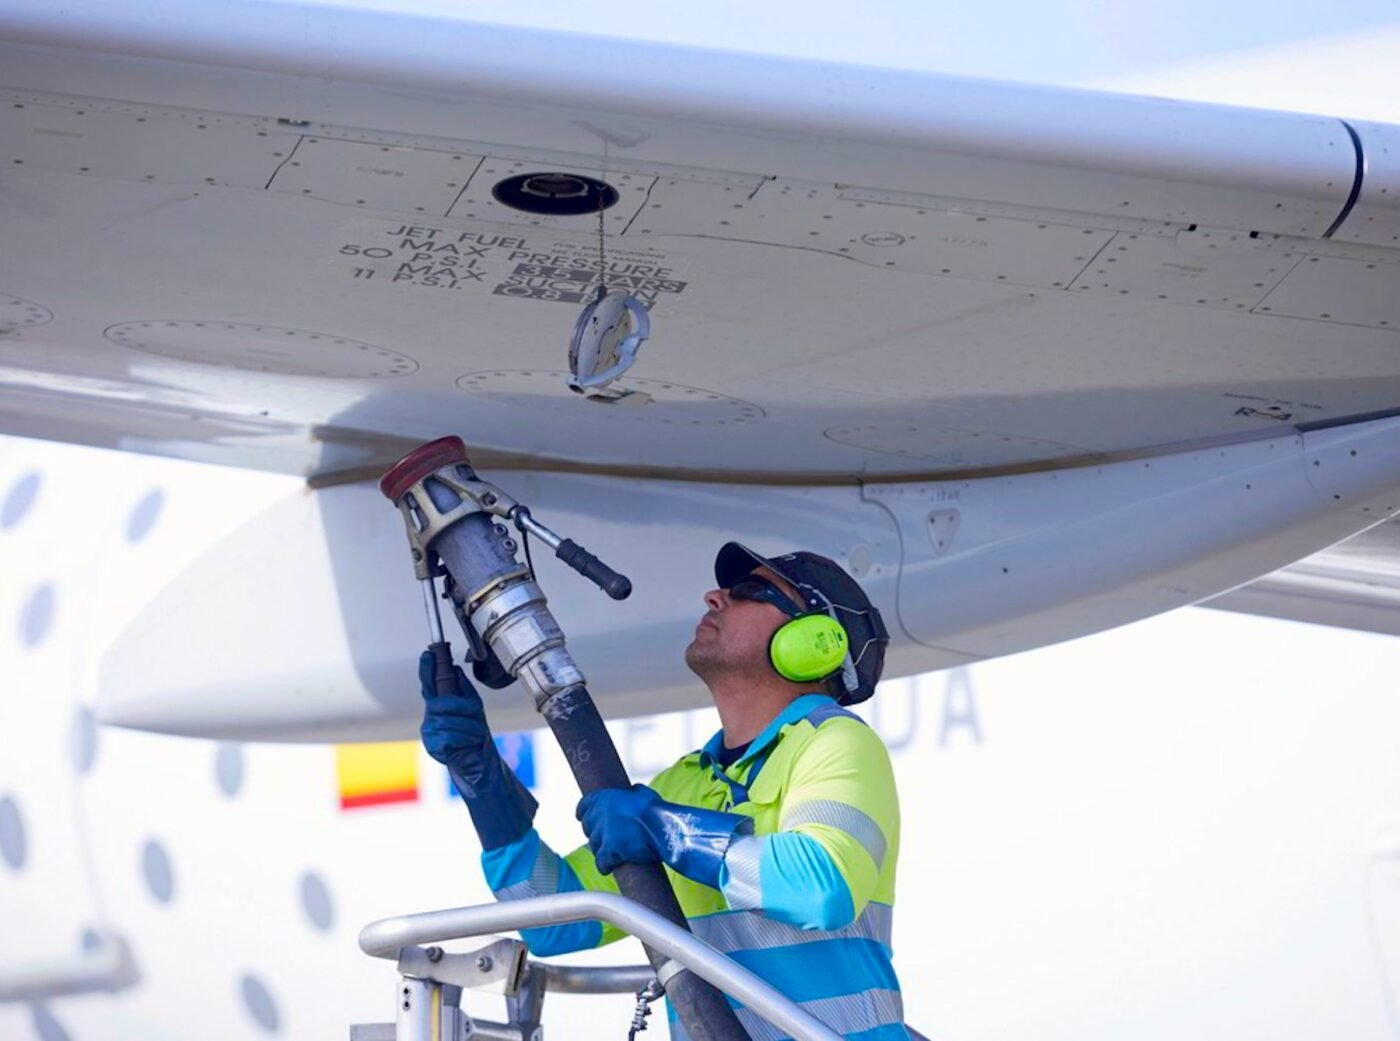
(514, 620)
(449, 515)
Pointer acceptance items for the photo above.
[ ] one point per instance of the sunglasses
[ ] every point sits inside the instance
(758, 589)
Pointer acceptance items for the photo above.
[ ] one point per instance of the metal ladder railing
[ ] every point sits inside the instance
(107, 967)
(432, 979)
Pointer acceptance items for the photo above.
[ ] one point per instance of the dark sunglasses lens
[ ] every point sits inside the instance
(750, 589)
(763, 591)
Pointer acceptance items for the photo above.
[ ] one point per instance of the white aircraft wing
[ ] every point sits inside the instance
(1044, 360)
(1354, 585)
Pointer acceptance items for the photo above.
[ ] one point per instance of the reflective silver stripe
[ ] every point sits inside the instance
(847, 1014)
(544, 874)
(855, 823)
(750, 930)
(519, 891)
(741, 888)
(543, 879)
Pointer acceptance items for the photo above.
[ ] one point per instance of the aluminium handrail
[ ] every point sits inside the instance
(109, 968)
(595, 979)
(386, 937)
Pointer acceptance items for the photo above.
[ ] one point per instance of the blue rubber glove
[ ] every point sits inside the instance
(456, 734)
(636, 826)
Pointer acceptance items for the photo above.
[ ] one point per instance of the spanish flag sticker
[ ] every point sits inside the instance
(375, 774)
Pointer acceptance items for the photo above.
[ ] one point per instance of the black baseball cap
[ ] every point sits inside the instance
(825, 586)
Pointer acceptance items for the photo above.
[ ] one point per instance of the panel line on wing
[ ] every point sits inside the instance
(466, 185)
(1091, 261)
(646, 201)
(1355, 184)
(287, 159)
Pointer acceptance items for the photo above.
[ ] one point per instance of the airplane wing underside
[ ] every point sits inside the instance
(851, 273)
(245, 236)
(1352, 585)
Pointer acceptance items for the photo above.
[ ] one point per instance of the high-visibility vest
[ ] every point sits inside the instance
(805, 902)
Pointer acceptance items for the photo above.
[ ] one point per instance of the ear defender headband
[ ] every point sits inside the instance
(812, 645)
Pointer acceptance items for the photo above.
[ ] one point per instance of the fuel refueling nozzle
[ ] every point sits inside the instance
(448, 513)
(439, 472)
(453, 520)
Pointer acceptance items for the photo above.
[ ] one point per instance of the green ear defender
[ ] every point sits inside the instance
(810, 647)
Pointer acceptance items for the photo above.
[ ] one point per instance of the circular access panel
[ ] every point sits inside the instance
(261, 348)
(21, 314)
(637, 400)
(557, 194)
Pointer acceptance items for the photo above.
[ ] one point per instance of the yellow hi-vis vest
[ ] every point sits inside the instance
(805, 901)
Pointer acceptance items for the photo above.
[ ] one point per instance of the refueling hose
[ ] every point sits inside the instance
(448, 513)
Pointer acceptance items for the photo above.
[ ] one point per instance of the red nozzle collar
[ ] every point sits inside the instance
(422, 461)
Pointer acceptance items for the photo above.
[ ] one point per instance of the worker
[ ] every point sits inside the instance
(779, 836)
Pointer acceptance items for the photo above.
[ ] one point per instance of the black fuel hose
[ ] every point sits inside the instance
(593, 758)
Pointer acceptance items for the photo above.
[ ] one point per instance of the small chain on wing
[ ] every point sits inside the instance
(602, 205)
(602, 258)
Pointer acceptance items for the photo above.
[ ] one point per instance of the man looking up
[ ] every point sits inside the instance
(780, 836)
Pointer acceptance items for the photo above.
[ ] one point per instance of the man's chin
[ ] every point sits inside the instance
(697, 658)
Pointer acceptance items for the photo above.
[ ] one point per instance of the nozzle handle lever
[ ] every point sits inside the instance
(619, 587)
(444, 674)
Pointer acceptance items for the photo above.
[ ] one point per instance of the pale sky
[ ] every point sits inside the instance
(1075, 42)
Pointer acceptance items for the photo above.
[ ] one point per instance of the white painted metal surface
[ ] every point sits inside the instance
(685, 98)
(855, 275)
(319, 625)
(321, 585)
(1354, 584)
(1375, 219)
(269, 240)
(1039, 558)
(854, 364)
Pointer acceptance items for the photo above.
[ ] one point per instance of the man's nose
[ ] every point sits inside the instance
(716, 600)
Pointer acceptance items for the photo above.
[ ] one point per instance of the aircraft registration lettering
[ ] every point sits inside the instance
(911, 715)
(959, 709)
